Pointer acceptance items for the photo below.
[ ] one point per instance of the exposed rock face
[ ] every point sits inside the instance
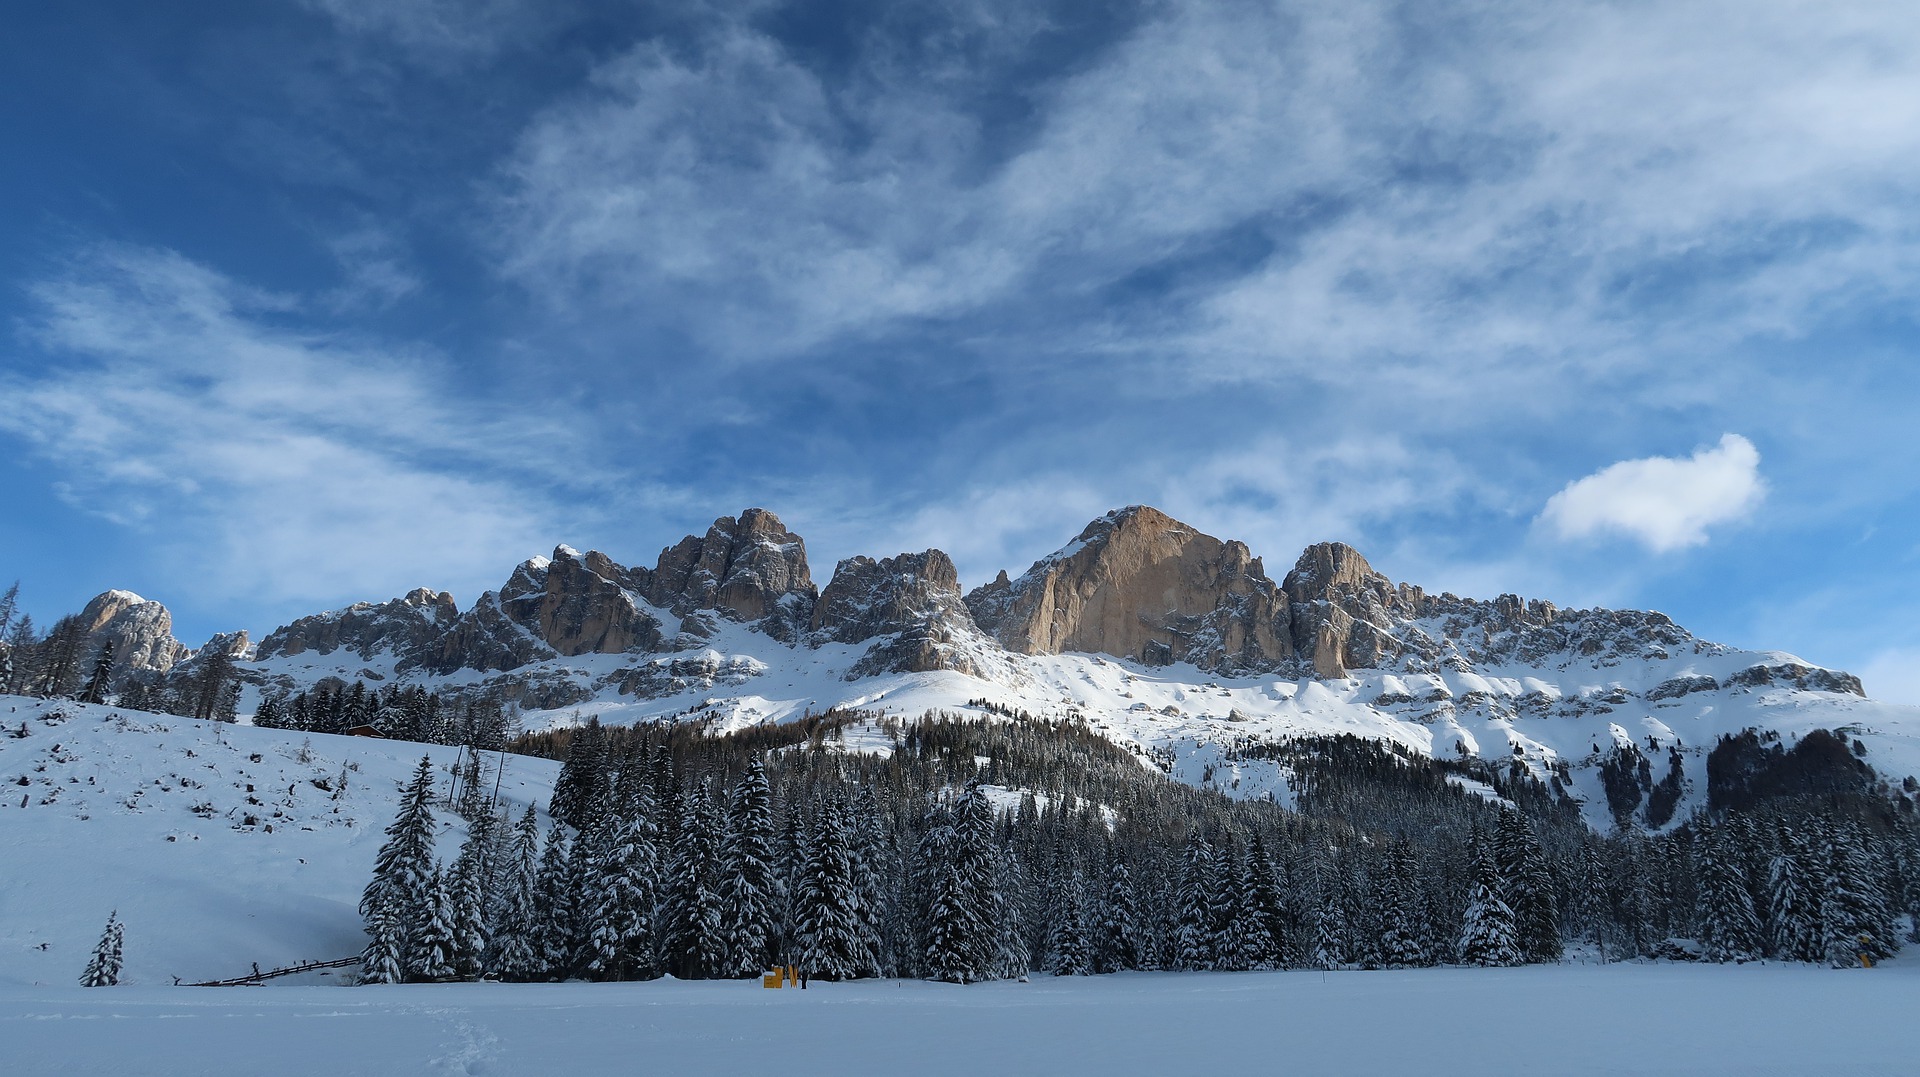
(586, 605)
(1343, 613)
(1140, 584)
(405, 626)
(141, 631)
(752, 568)
(914, 602)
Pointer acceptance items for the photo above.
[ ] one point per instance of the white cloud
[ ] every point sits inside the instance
(1665, 502)
(269, 464)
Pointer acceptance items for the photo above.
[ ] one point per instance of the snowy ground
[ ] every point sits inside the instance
(1565, 1020)
(219, 846)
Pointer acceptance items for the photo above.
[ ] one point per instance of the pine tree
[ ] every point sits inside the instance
(515, 952)
(384, 961)
(1193, 940)
(696, 944)
(830, 942)
(620, 941)
(403, 872)
(1529, 888)
(435, 949)
(1854, 917)
(1487, 932)
(1793, 922)
(1068, 951)
(1402, 908)
(1729, 928)
(556, 901)
(1269, 906)
(751, 889)
(467, 899)
(98, 681)
(1119, 945)
(103, 969)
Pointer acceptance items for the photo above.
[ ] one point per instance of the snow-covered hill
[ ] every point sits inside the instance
(219, 845)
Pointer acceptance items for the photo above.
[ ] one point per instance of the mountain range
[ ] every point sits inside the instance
(1166, 640)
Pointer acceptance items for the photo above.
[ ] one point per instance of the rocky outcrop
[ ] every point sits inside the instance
(140, 630)
(751, 568)
(1343, 614)
(1139, 584)
(586, 605)
(404, 626)
(912, 605)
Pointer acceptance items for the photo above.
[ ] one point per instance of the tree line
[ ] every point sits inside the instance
(973, 850)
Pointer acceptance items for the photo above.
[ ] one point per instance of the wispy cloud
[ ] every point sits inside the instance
(273, 464)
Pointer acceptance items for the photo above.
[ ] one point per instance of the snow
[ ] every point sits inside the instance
(1569, 1020)
(147, 814)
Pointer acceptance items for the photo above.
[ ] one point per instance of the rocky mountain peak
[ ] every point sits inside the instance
(912, 604)
(1139, 584)
(750, 567)
(401, 625)
(141, 631)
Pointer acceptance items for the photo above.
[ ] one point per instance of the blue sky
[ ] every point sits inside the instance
(1611, 303)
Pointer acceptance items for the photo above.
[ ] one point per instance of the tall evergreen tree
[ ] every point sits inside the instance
(98, 681)
(752, 897)
(1119, 938)
(1729, 928)
(828, 917)
(516, 952)
(435, 948)
(696, 944)
(1194, 938)
(1529, 887)
(1793, 921)
(1487, 932)
(620, 939)
(1068, 950)
(556, 899)
(403, 871)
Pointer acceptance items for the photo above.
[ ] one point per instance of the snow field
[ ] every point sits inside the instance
(148, 814)
(1565, 1020)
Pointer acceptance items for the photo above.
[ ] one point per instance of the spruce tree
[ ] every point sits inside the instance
(435, 949)
(1729, 928)
(620, 940)
(1119, 941)
(403, 871)
(1402, 909)
(752, 895)
(103, 969)
(556, 901)
(1529, 888)
(1487, 932)
(1793, 921)
(1194, 937)
(1269, 906)
(695, 941)
(1068, 951)
(516, 952)
(828, 926)
(384, 961)
(101, 677)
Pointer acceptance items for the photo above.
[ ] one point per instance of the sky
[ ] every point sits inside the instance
(1613, 303)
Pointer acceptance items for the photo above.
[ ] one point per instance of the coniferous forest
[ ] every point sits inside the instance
(974, 850)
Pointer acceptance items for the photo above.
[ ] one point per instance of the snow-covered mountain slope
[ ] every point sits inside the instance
(219, 845)
(1171, 642)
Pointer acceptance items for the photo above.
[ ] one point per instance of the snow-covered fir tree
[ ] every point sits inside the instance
(514, 951)
(1069, 953)
(695, 937)
(1729, 928)
(1488, 935)
(621, 943)
(752, 897)
(435, 952)
(103, 968)
(1118, 945)
(401, 889)
(1194, 936)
